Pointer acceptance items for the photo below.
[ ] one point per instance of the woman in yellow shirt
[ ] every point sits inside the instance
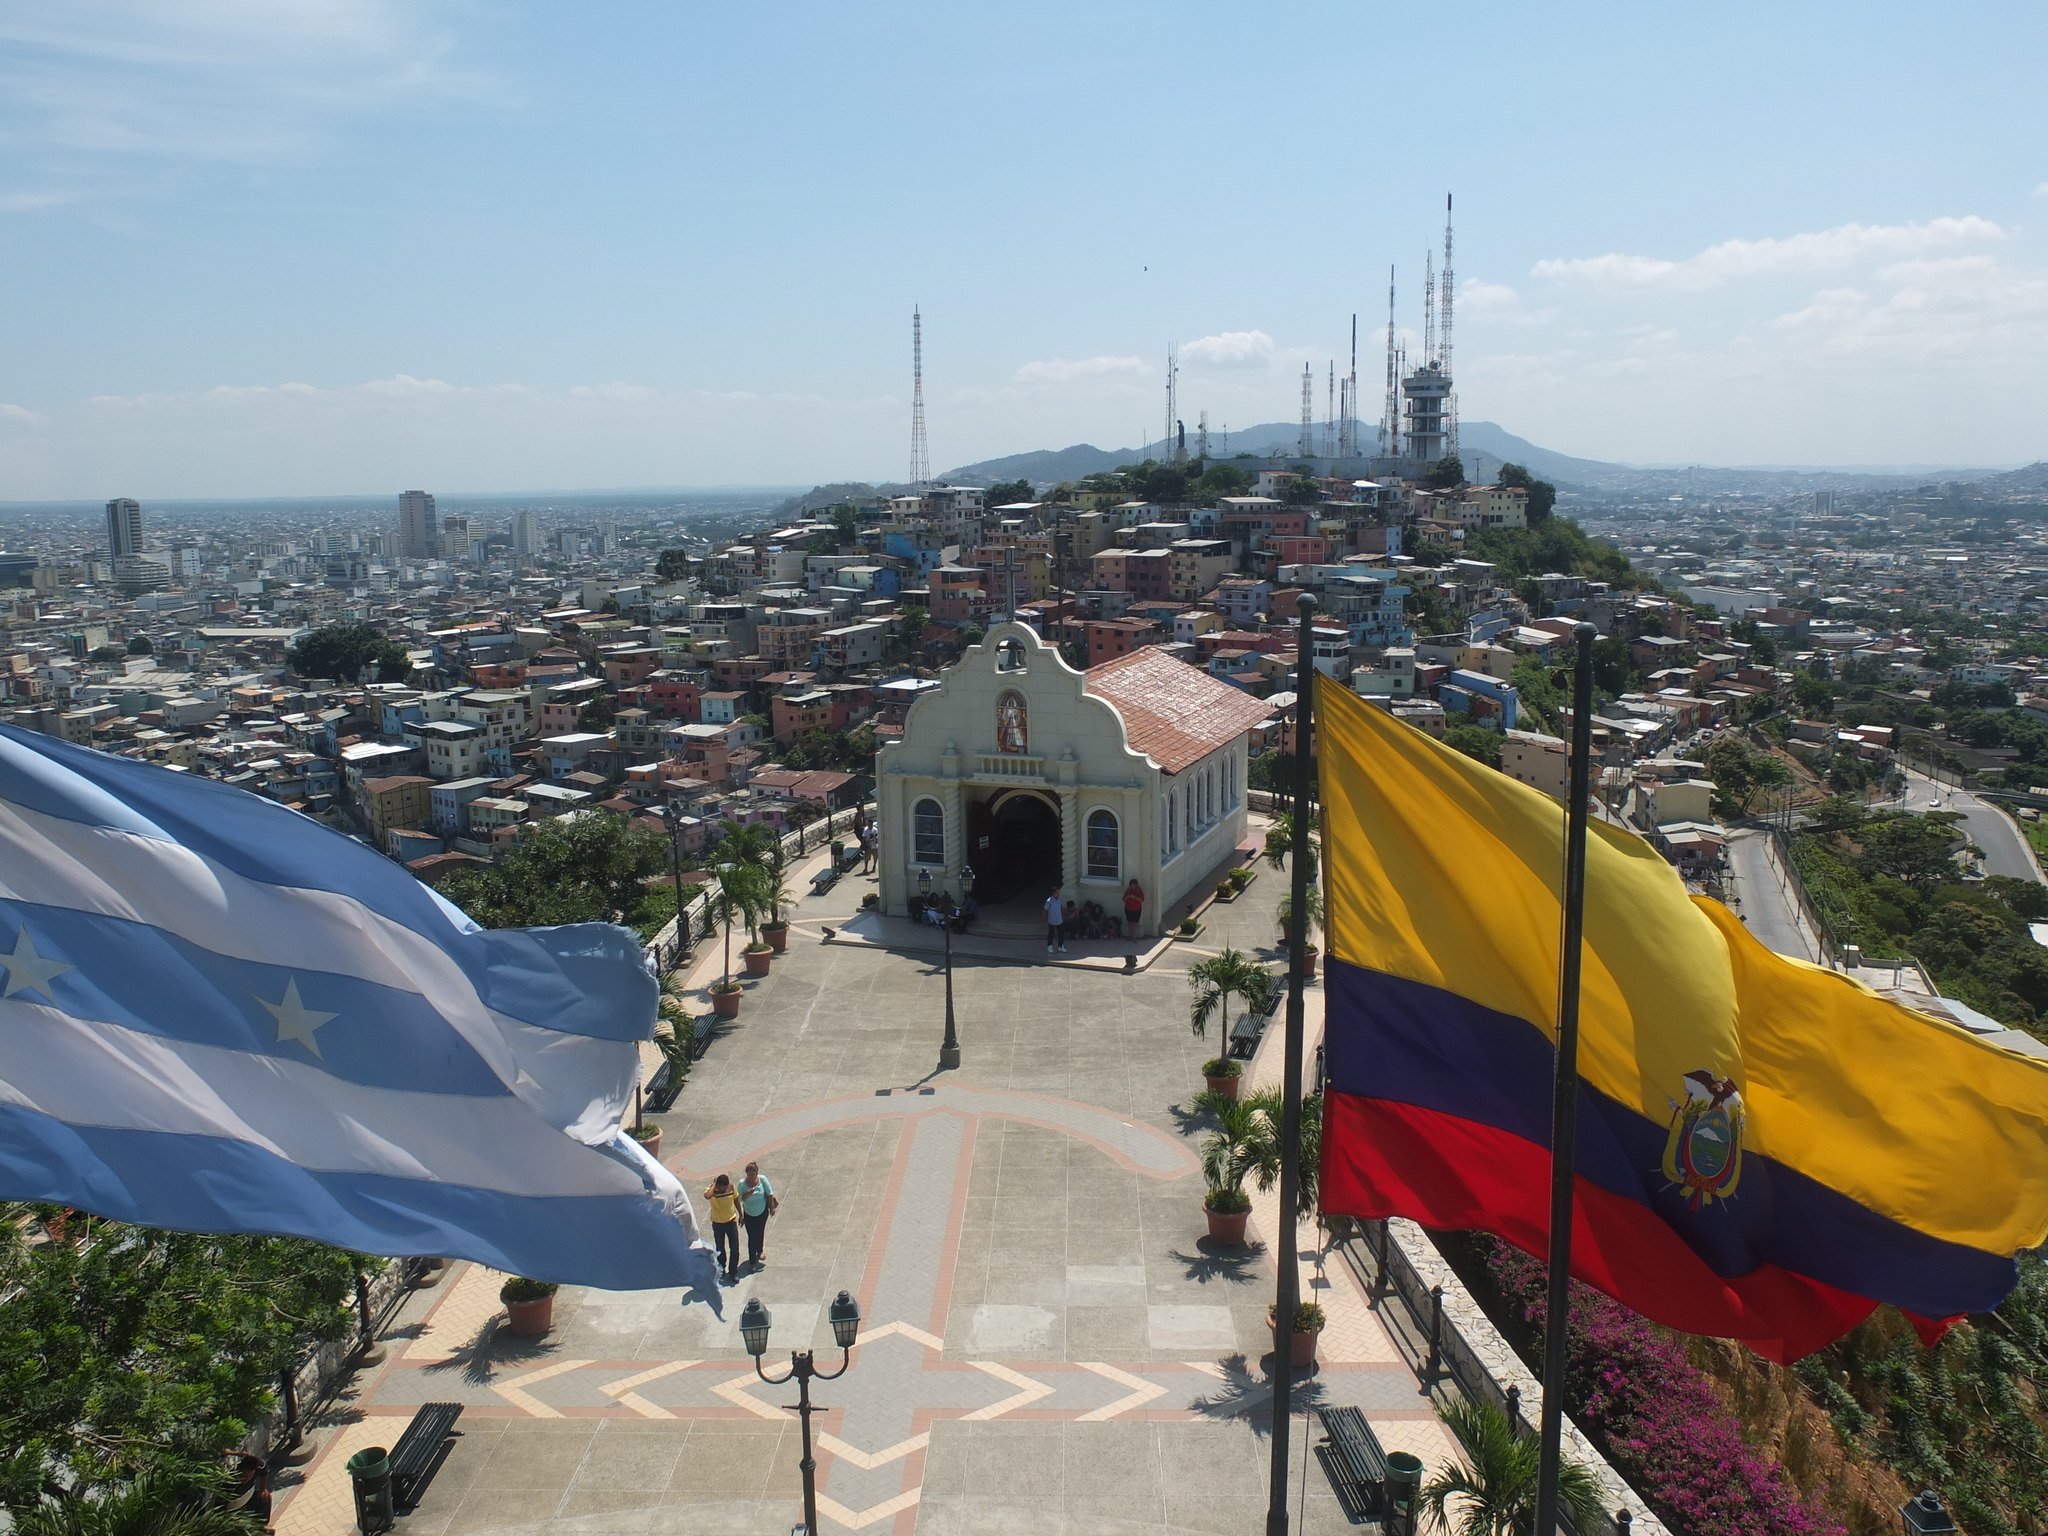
(725, 1224)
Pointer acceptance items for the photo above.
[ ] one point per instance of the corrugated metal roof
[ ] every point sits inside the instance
(1173, 713)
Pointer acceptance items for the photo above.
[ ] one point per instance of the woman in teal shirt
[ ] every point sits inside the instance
(757, 1204)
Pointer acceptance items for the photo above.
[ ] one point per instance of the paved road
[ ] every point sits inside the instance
(1760, 896)
(2005, 846)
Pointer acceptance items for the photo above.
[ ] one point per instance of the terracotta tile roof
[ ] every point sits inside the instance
(1173, 713)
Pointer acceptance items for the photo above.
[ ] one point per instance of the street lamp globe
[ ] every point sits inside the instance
(1924, 1515)
(924, 882)
(754, 1321)
(845, 1316)
(966, 881)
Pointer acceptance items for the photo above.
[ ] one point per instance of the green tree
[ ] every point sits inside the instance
(1490, 1490)
(155, 1504)
(1539, 693)
(349, 652)
(1302, 491)
(126, 1351)
(599, 713)
(1476, 741)
(846, 523)
(910, 627)
(1915, 849)
(672, 565)
(140, 645)
(1247, 1143)
(1542, 494)
(1447, 473)
(1814, 695)
(584, 869)
(106, 653)
(1008, 492)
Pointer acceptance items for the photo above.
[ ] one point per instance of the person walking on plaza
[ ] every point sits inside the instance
(757, 1204)
(1134, 907)
(869, 847)
(724, 1201)
(1055, 923)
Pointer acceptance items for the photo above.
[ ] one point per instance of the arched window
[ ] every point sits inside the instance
(1189, 803)
(928, 833)
(1105, 852)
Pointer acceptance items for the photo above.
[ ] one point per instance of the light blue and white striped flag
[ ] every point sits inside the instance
(221, 1016)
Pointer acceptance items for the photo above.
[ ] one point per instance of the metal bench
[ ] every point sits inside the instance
(824, 879)
(1357, 1454)
(419, 1450)
(662, 1089)
(1245, 1032)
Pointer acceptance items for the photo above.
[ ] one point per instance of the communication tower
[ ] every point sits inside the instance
(920, 455)
(1443, 353)
(1173, 449)
(1390, 421)
(1307, 447)
(1202, 436)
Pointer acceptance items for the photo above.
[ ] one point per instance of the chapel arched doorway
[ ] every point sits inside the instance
(1015, 845)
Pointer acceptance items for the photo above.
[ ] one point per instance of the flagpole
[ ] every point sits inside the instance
(1564, 1117)
(1287, 1289)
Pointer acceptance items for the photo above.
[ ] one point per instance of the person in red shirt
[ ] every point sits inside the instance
(1134, 906)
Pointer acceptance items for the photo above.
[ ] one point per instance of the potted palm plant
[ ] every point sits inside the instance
(1229, 1155)
(1490, 1490)
(730, 901)
(649, 1136)
(1312, 915)
(1308, 1327)
(529, 1306)
(1214, 982)
(775, 927)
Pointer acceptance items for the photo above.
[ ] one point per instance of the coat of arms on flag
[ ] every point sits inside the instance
(1703, 1150)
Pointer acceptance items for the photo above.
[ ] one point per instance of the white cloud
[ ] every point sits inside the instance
(1482, 298)
(1229, 349)
(93, 83)
(1815, 251)
(2041, 189)
(1058, 370)
(20, 415)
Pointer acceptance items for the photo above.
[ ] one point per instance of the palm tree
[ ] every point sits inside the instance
(1280, 840)
(737, 896)
(1493, 1481)
(155, 1504)
(1312, 907)
(1216, 980)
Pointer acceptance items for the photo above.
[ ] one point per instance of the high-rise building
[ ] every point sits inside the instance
(525, 535)
(124, 529)
(455, 536)
(419, 538)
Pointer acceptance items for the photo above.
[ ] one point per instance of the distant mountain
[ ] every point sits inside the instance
(1484, 445)
(2034, 477)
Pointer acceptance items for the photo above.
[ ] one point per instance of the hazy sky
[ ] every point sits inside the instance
(256, 247)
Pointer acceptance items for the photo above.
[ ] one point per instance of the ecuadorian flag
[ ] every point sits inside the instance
(1766, 1150)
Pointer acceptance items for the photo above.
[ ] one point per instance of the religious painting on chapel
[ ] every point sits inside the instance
(1012, 723)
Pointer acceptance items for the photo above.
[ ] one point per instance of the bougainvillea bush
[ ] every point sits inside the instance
(1658, 1418)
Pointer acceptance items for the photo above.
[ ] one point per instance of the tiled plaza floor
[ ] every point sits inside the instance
(1050, 1344)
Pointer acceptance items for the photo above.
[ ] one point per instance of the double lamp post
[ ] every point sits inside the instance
(803, 1368)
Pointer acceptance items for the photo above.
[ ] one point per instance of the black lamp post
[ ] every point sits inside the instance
(1925, 1515)
(845, 1317)
(949, 1051)
(674, 818)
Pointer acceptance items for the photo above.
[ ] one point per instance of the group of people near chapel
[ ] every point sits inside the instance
(1066, 919)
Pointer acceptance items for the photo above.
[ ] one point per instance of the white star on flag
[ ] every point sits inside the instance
(28, 971)
(295, 1021)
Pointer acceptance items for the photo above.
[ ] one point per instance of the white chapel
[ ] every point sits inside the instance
(1038, 776)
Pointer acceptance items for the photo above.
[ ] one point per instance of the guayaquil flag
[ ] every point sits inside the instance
(220, 1016)
(1766, 1150)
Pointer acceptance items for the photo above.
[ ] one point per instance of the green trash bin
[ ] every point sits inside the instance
(369, 1474)
(838, 856)
(1404, 1491)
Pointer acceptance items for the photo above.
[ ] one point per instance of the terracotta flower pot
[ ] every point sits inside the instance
(757, 961)
(1301, 1347)
(726, 1005)
(530, 1319)
(1308, 962)
(650, 1138)
(1226, 1227)
(1226, 1086)
(777, 935)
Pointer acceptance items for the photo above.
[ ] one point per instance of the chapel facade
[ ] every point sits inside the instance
(1038, 776)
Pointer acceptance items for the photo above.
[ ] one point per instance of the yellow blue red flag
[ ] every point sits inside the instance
(1766, 1149)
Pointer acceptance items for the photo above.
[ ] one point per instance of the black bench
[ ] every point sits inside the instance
(824, 879)
(1356, 1451)
(419, 1450)
(1245, 1032)
(661, 1090)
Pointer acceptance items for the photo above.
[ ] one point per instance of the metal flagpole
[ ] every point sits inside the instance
(1564, 1113)
(1287, 1290)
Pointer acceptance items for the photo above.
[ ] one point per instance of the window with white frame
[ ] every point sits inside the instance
(928, 833)
(1105, 846)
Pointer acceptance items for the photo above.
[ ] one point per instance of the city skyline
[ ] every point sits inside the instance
(325, 250)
